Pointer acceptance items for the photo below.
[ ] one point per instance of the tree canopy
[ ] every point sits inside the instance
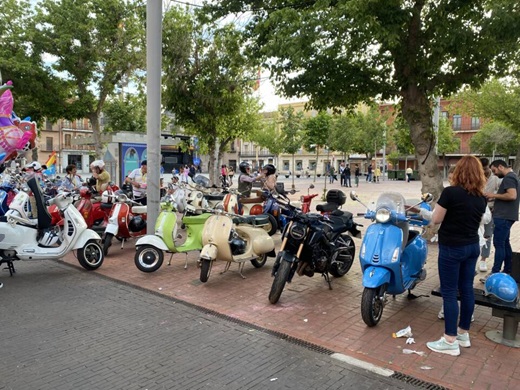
(341, 52)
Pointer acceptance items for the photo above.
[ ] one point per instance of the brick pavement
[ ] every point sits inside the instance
(309, 311)
(63, 328)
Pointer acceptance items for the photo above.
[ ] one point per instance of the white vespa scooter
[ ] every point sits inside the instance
(22, 238)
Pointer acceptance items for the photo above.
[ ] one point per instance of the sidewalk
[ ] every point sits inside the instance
(309, 311)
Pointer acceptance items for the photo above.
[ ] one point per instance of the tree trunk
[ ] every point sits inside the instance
(96, 134)
(516, 165)
(316, 165)
(417, 113)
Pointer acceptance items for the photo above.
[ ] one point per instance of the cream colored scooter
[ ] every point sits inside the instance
(232, 238)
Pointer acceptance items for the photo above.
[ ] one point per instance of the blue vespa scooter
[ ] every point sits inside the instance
(392, 255)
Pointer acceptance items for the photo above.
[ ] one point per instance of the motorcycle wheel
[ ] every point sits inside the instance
(344, 258)
(148, 258)
(205, 270)
(372, 305)
(107, 242)
(271, 230)
(260, 261)
(279, 281)
(91, 256)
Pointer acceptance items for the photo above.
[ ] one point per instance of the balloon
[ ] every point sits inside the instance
(15, 136)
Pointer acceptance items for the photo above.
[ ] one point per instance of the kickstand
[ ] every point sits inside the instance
(327, 278)
(170, 261)
(241, 268)
(228, 264)
(412, 296)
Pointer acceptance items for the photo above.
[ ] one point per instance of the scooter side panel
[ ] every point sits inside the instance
(216, 231)
(153, 241)
(257, 237)
(85, 236)
(194, 227)
(376, 276)
(165, 229)
(380, 242)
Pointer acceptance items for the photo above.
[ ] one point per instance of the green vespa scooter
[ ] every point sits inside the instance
(149, 254)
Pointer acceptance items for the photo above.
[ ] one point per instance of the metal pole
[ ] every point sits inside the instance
(153, 107)
(383, 168)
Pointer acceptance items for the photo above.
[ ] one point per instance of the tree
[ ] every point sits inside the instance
(127, 114)
(342, 134)
(495, 138)
(317, 132)
(368, 131)
(499, 101)
(266, 135)
(339, 53)
(206, 80)
(94, 46)
(292, 130)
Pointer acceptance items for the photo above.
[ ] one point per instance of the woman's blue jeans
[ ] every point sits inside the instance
(456, 273)
(503, 251)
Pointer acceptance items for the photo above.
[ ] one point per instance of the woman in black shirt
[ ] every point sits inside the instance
(460, 209)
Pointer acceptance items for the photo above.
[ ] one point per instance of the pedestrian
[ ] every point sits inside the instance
(377, 174)
(137, 178)
(347, 174)
(223, 175)
(331, 174)
(460, 209)
(192, 171)
(341, 174)
(492, 185)
(357, 173)
(409, 173)
(505, 214)
(231, 173)
(369, 175)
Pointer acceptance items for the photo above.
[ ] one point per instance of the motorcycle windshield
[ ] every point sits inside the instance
(392, 201)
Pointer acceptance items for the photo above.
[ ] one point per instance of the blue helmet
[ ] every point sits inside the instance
(503, 286)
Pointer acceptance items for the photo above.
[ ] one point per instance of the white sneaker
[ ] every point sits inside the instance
(482, 267)
(441, 313)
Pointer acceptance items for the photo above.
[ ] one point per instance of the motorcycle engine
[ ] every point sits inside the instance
(320, 260)
(237, 245)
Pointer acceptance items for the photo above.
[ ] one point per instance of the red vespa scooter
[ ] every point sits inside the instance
(127, 220)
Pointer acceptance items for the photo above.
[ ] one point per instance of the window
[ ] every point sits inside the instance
(76, 160)
(457, 121)
(66, 124)
(48, 125)
(68, 138)
(285, 165)
(48, 143)
(445, 114)
(475, 123)
(299, 164)
(312, 165)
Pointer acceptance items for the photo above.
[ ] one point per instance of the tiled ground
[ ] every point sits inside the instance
(310, 311)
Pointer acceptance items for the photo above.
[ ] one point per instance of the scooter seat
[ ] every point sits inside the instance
(254, 220)
(327, 207)
(341, 220)
(139, 209)
(214, 196)
(251, 200)
(106, 205)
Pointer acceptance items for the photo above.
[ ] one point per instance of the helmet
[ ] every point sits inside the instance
(137, 224)
(49, 238)
(97, 163)
(106, 196)
(243, 166)
(270, 169)
(503, 286)
(34, 165)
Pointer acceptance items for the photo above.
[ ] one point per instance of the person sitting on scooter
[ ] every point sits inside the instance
(138, 180)
(101, 176)
(269, 176)
(34, 169)
(245, 179)
(72, 180)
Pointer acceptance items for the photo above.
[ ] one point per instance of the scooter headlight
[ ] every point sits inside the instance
(383, 215)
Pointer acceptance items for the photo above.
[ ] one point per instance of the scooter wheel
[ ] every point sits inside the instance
(148, 258)
(107, 242)
(205, 270)
(91, 256)
(372, 305)
(260, 261)
(274, 225)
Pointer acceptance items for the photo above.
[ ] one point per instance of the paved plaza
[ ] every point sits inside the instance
(307, 313)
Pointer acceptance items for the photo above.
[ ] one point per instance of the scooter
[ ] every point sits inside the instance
(392, 255)
(232, 238)
(36, 239)
(334, 200)
(127, 220)
(149, 254)
(249, 206)
(306, 200)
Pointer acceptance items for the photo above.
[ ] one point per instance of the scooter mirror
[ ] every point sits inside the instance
(427, 197)
(353, 195)
(311, 186)
(292, 192)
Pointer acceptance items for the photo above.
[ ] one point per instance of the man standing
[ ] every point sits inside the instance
(347, 174)
(341, 174)
(505, 214)
(409, 173)
(138, 180)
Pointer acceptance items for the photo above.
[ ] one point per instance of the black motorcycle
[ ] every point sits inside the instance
(314, 243)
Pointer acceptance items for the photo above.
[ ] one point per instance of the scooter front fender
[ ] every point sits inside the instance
(152, 240)
(112, 228)
(84, 237)
(374, 277)
(209, 252)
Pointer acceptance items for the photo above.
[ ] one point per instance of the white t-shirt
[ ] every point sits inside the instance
(137, 176)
